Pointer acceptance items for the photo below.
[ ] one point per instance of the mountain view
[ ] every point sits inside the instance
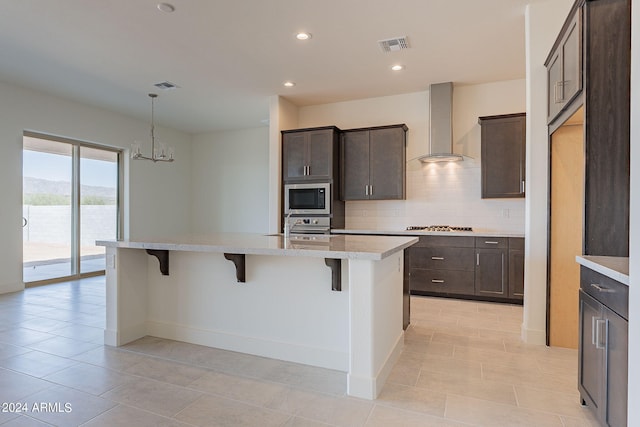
(42, 191)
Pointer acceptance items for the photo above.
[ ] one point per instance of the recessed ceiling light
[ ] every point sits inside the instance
(166, 7)
(397, 67)
(289, 84)
(303, 36)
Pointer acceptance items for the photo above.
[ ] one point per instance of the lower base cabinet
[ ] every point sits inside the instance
(442, 265)
(603, 348)
(492, 267)
(469, 267)
(516, 268)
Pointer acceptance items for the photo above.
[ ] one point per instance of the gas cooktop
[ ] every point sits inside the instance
(437, 228)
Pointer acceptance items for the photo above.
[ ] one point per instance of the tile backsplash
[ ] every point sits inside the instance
(440, 194)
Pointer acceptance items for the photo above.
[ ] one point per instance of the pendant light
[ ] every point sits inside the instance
(160, 154)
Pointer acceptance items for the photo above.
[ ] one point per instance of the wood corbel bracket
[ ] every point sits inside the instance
(336, 273)
(163, 259)
(239, 261)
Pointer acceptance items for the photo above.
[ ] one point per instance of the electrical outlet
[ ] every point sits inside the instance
(504, 213)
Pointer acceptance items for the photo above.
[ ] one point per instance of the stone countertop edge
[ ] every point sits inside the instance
(338, 247)
(616, 268)
(427, 233)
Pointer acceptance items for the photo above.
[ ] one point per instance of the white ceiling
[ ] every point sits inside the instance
(229, 56)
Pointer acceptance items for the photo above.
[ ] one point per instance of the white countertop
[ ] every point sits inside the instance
(616, 268)
(321, 246)
(427, 233)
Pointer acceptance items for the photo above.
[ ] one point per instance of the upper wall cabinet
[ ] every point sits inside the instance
(607, 126)
(503, 140)
(373, 163)
(564, 66)
(310, 154)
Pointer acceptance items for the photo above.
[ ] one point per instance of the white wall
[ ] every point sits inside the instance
(436, 194)
(283, 115)
(159, 198)
(543, 23)
(230, 181)
(634, 238)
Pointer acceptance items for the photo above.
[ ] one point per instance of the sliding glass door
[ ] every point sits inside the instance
(70, 200)
(98, 205)
(46, 209)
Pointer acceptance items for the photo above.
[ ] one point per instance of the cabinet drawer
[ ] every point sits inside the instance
(443, 258)
(442, 281)
(440, 241)
(605, 290)
(492, 242)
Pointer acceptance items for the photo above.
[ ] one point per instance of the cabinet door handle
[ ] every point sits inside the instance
(490, 242)
(437, 281)
(600, 343)
(522, 186)
(308, 170)
(366, 190)
(603, 289)
(477, 259)
(371, 190)
(437, 258)
(556, 99)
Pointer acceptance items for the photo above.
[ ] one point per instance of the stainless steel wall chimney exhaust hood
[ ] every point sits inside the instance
(440, 125)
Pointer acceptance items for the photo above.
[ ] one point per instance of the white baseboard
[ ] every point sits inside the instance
(533, 336)
(115, 339)
(370, 388)
(11, 287)
(321, 357)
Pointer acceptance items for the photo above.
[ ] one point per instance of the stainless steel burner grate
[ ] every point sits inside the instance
(438, 228)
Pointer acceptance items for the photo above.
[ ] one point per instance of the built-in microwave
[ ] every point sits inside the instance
(307, 199)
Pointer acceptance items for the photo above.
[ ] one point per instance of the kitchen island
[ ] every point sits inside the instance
(327, 301)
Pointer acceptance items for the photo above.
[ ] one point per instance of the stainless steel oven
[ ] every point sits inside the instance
(307, 199)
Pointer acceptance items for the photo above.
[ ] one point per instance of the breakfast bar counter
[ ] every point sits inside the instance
(327, 301)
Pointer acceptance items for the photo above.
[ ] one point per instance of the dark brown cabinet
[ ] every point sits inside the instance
(596, 35)
(564, 66)
(589, 151)
(442, 265)
(485, 268)
(503, 141)
(516, 267)
(607, 127)
(373, 163)
(310, 154)
(603, 348)
(491, 271)
(406, 290)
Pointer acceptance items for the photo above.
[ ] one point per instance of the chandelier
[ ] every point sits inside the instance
(159, 153)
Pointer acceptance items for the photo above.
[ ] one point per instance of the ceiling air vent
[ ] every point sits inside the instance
(395, 44)
(166, 85)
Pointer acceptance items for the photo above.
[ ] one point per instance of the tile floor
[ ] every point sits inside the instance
(462, 365)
